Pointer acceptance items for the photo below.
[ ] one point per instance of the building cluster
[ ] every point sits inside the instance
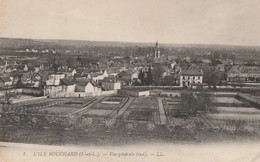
(108, 74)
(70, 83)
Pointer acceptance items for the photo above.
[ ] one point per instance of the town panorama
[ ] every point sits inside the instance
(59, 92)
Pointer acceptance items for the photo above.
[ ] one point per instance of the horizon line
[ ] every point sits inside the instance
(162, 43)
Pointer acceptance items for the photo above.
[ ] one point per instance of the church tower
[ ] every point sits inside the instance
(156, 51)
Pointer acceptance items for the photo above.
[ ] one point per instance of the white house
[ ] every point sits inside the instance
(68, 84)
(189, 77)
(87, 87)
(54, 79)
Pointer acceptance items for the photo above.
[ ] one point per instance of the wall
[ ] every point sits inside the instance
(144, 93)
(29, 99)
(71, 88)
(134, 93)
(82, 94)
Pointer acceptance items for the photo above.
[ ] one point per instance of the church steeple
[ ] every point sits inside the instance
(156, 50)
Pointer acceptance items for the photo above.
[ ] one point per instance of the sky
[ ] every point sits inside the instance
(233, 22)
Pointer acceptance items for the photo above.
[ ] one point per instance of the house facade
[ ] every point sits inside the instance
(189, 77)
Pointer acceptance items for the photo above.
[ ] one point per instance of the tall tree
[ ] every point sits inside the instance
(149, 78)
(157, 74)
(141, 77)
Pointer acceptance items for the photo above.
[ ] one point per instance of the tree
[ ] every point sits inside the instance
(213, 80)
(233, 58)
(194, 102)
(214, 57)
(149, 78)
(141, 77)
(157, 74)
(69, 61)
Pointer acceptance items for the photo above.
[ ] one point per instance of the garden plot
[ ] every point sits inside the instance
(101, 106)
(140, 116)
(239, 110)
(112, 100)
(105, 107)
(39, 104)
(171, 106)
(228, 100)
(77, 103)
(143, 107)
(101, 113)
(143, 110)
(235, 116)
(146, 101)
(174, 109)
(21, 98)
(58, 110)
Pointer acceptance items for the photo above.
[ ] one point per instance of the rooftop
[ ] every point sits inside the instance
(191, 72)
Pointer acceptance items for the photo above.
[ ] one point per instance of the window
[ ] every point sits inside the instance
(198, 77)
(194, 77)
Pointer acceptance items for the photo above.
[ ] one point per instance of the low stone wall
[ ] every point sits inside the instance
(83, 94)
(29, 99)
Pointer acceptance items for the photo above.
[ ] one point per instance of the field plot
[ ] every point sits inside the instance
(228, 100)
(105, 107)
(141, 116)
(173, 108)
(233, 116)
(57, 110)
(21, 97)
(66, 106)
(113, 100)
(39, 104)
(94, 112)
(238, 110)
(143, 110)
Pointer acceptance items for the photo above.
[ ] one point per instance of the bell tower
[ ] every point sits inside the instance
(156, 50)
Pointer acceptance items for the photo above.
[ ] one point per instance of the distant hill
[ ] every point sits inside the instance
(19, 43)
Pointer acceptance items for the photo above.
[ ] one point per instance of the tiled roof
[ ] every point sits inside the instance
(191, 72)
(83, 83)
(67, 81)
(109, 80)
(244, 69)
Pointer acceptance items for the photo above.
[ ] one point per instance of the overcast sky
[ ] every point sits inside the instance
(168, 21)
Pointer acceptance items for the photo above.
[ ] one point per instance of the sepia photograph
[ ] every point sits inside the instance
(130, 80)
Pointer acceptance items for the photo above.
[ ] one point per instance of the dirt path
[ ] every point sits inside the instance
(121, 110)
(162, 112)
